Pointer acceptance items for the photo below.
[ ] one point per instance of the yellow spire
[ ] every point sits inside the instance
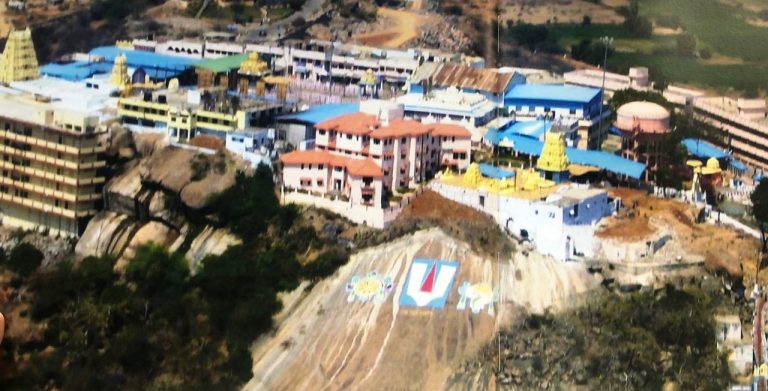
(472, 177)
(19, 61)
(119, 76)
(368, 78)
(712, 167)
(553, 157)
(254, 65)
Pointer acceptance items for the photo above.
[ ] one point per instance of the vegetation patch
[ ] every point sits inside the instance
(641, 341)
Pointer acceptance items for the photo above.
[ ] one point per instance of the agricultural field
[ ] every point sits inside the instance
(730, 51)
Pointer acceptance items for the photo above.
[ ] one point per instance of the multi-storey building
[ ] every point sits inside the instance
(50, 165)
(394, 153)
(184, 114)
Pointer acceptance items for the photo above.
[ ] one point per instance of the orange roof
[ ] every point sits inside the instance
(306, 157)
(449, 130)
(364, 167)
(354, 123)
(357, 167)
(400, 128)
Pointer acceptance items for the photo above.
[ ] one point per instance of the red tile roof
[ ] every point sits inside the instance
(357, 167)
(364, 167)
(400, 128)
(449, 130)
(355, 123)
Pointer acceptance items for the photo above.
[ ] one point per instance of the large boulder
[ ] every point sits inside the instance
(211, 241)
(107, 233)
(151, 232)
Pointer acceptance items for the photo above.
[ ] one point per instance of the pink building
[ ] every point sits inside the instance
(370, 156)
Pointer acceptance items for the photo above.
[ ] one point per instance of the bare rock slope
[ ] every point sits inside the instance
(324, 342)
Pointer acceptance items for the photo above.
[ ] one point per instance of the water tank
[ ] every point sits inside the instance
(642, 117)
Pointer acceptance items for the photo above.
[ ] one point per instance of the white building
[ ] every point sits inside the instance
(450, 104)
(637, 79)
(561, 225)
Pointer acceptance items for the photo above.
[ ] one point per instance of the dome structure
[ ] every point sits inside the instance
(642, 117)
(138, 76)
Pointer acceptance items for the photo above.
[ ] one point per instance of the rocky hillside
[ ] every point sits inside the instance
(159, 193)
(332, 334)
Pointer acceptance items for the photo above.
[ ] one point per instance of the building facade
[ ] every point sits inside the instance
(364, 156)
(50, 164)
(184, 114)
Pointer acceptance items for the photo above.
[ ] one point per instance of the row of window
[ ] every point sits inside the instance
(546, 109)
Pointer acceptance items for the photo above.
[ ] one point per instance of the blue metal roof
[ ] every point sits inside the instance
(737, 165)
(495, 172)
(320, 113)
(603, 160)
(535, 128)
(156, 65)
(701, 148)
(553, 92)
(74, 71)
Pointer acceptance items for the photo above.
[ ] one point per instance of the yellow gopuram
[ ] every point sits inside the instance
(19, 61)
(553, 162)
(253, 65)
(119, 76)
(525, 183)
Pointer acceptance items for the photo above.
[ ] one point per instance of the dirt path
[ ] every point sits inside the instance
(406, 27)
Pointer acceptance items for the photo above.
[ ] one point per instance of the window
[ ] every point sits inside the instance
(547, 109)
(319, 182)
(376, 142)
(572, 111)
(320, 166)
(482, 200)
(302, 166)
(575, 212)
(402, 140)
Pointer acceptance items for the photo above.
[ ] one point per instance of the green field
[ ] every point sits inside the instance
(740, 49)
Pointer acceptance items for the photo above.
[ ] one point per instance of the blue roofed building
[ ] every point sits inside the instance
(561, 103)
(491, 83)
(157, 66)
(299, 127)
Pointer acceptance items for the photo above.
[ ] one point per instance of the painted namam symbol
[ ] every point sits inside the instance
(428, 283)
(371, 287)
(478, 296)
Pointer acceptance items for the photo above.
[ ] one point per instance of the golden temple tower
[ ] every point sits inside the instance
(19, 61)
(553, 162)
(119, 76)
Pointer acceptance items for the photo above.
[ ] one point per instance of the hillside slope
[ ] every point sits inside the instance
(322, 341)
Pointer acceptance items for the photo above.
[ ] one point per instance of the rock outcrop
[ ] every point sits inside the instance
(324, 341)
(156, 190)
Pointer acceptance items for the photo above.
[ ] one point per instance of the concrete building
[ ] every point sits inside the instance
(450, 104)
(253, 146)
(564, 104)
(50, 165)
(559, 220)
(637, 79)
(297, 129)
(185, 113)
(490, 83)
(744, 124)
(365, 155)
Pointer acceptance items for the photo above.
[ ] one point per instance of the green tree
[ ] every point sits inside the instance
(685, 45)
(24, 259)
(250, 204)
(759, 199)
